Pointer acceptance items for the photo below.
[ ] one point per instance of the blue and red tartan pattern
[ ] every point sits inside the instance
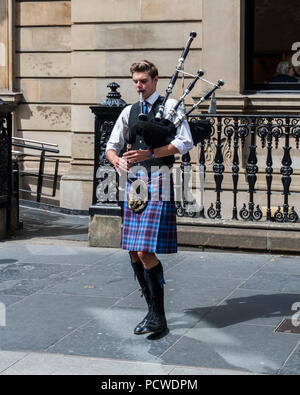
(154, 230)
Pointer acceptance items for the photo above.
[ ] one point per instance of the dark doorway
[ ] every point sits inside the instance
(272, 29)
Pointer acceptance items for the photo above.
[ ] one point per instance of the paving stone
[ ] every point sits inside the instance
(217, 265)
(250, 348)
(24, 279)
(119, 263)
(185, 371)
(68, 254)
(283, 264)
(9, 358)
(55, 364)
(292, 366)
(55, 225)
(92, 283)
(253, 307)
(110, 335)
(277, 282)
(16, 252)
(9, 300)
(41, 320)
(186, 291)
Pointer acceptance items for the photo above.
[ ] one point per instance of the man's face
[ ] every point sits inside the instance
(144, 83)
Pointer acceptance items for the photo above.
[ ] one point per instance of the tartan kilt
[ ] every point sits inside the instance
(154, 230)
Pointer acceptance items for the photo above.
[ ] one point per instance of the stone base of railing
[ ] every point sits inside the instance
(105, 231)
(238, 235)
(267, 237)
(105, 227)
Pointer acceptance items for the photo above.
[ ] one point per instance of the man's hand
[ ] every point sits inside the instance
(137, 156)
(120, 164)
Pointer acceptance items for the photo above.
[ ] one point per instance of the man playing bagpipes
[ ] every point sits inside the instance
(154, 130)
(149, 228)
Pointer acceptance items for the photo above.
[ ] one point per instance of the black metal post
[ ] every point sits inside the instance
(269, 169)
(286, 171)
(186, 173)
(40, 176)
(106, 115)
(251, 214)
(218, 169)
(202, 171)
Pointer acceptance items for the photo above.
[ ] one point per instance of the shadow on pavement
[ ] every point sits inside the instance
(245, 309)
(46, 224)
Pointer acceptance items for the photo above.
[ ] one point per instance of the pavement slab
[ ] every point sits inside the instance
(253, 307)
(276, 282)
(40, 320)
(251, 348)
(292, 365)
(58, 364)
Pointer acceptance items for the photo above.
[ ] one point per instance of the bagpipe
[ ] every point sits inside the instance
(162, 130)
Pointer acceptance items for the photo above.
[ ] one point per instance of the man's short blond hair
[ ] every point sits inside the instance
(144, 66)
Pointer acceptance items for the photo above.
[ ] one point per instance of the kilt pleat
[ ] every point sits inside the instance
(154, 230)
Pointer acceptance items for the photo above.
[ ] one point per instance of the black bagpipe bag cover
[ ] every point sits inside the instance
(155, 133)
(159, 133)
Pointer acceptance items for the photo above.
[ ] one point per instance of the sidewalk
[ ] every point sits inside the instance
(71, 309)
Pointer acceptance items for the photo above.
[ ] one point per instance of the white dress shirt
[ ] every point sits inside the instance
(183, 140)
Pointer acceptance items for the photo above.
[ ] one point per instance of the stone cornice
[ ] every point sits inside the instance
(11, 97)
(256, 102)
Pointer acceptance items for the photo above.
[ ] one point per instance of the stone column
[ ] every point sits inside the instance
(7, 23)
(4, 45)
(76, 185)
(222, 52)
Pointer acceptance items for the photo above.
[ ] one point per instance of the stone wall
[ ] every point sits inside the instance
(68, 51)
(43, 74)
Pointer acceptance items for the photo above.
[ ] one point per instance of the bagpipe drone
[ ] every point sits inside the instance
(162, 130)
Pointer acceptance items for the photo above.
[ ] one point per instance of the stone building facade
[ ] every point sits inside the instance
(57, 58)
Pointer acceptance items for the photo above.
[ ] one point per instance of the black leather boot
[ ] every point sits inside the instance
(138, 269)
(156, 321)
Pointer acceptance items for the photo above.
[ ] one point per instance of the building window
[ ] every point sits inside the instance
(272, 29)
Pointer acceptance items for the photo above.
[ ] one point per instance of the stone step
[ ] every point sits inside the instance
(275, 238)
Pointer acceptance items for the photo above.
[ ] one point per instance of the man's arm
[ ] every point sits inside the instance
(116, 141)
(117, 162)
(166, 150)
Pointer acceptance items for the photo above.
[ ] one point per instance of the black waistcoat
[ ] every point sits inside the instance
(140, 143)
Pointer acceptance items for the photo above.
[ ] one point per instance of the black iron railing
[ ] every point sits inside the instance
(44, 149)
(243, 138)
(248, 169)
